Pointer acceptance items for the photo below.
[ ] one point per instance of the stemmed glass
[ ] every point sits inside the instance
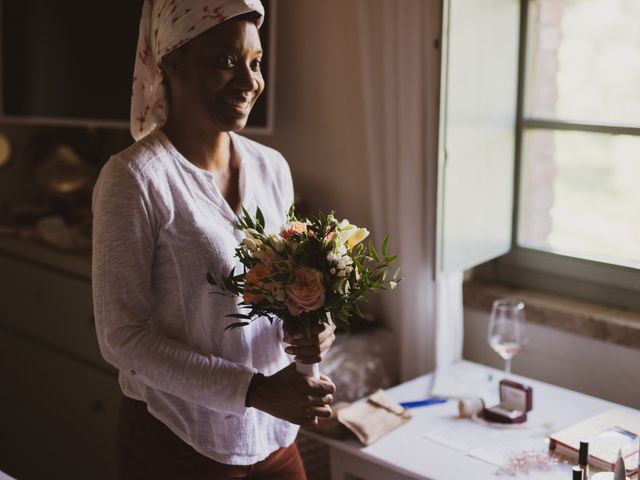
(506, 333)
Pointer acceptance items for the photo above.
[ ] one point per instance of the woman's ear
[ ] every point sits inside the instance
(172, 63)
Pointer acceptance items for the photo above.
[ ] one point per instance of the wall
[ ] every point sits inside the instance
(579, 363)
(319, 124)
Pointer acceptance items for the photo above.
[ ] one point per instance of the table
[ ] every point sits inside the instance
(415, 450)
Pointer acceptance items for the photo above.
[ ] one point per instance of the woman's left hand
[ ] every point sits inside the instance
(310, 349)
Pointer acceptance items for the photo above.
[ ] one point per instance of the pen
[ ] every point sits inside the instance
(424, 403)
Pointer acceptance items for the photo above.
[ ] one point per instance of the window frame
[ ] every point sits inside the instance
(587, 278)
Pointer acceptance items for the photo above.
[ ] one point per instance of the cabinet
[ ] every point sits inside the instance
(58, 399)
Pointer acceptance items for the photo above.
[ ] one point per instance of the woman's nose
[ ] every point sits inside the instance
(247, 79)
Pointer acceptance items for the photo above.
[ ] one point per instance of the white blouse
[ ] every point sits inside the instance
(160, 224)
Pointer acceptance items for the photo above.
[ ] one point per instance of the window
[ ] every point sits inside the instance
(577, 208)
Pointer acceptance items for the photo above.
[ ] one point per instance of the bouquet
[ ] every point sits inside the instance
(313, 271)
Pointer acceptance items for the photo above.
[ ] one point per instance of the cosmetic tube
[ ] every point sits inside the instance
(583, 459)
(577, 473)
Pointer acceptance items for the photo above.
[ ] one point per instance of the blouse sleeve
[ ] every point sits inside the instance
(123, 250)
(286, 183)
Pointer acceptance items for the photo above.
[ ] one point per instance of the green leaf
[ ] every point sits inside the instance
(236, 325)
(259, 220)
(385, 245)
(291, 214)
(239, 315)
(372, 252)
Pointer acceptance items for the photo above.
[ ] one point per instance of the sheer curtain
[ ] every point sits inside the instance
(400, 84)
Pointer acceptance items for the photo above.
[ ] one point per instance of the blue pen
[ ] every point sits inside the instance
(424, 403)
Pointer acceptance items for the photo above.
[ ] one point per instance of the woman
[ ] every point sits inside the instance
(199, 401)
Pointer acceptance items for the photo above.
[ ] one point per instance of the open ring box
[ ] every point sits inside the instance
(515, 401)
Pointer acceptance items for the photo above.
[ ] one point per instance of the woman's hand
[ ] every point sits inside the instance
(310, 349)
(292, 396)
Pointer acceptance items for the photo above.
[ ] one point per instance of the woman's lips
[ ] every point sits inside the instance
(240, 105)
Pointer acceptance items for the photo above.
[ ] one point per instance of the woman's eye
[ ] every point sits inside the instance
(226, 61)
(256, 65)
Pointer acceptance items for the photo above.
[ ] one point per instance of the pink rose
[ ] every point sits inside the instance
(306, 293)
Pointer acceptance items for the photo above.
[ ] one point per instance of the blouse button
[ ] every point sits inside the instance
(132, 372)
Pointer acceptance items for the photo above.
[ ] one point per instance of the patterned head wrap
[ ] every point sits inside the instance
(166, 25)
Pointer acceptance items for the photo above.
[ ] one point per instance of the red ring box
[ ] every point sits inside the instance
(516, 400)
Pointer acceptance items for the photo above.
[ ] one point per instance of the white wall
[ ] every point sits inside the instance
(579, 363)
(320, 130)
(319, 123)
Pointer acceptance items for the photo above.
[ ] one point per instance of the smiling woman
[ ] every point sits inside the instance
(214, 81)
(197, 399)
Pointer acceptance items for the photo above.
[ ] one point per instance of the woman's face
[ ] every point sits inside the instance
(216, 78)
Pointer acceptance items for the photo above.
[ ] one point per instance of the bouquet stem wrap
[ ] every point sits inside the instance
(312, 370)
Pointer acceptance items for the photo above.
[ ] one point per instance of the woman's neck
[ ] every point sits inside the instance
(209, 151)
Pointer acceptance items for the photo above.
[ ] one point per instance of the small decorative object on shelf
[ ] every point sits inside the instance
(5, 150)
(313, 271)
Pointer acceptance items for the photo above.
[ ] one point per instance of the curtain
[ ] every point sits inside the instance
(400, 64)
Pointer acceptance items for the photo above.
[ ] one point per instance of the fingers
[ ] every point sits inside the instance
(322, 412)
(311, 350)
(311, 418)
(320, 401)
(306, 355)
(318, 334)
(320, 388)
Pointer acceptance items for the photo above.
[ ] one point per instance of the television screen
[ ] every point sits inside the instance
(73, 59)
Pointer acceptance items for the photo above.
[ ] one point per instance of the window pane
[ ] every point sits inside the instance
(584, 61)
(580, 195)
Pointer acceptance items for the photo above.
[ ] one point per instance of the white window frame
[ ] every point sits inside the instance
(589, 279)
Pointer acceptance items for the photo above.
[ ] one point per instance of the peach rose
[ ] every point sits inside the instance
(292, 229)
(306, 293)
(253, 284)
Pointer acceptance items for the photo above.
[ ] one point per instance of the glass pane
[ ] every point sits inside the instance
(584, 61)
(580, 195)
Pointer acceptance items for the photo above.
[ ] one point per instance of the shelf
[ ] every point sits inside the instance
(36, 252)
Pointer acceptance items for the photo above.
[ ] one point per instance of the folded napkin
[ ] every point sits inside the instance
(371, 419)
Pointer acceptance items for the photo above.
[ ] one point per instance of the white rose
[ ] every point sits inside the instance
(359, 235)
(250, 244)
(251, 233)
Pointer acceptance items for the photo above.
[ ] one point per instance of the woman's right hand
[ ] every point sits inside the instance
(292, 396)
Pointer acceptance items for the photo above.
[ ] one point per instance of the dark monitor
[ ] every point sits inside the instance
(71, 61)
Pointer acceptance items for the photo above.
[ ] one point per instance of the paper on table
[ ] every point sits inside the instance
(499, 450)
(463, 434)
(489, 444)
(466, 380)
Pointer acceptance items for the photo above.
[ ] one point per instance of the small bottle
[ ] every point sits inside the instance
(583, 459)
(620, 472)
(577, 473)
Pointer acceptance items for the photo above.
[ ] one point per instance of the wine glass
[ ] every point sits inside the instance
(506, 329)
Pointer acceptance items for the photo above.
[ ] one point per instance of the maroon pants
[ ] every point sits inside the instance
(148, 450)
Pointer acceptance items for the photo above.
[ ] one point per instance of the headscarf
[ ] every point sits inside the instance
(166, 25)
